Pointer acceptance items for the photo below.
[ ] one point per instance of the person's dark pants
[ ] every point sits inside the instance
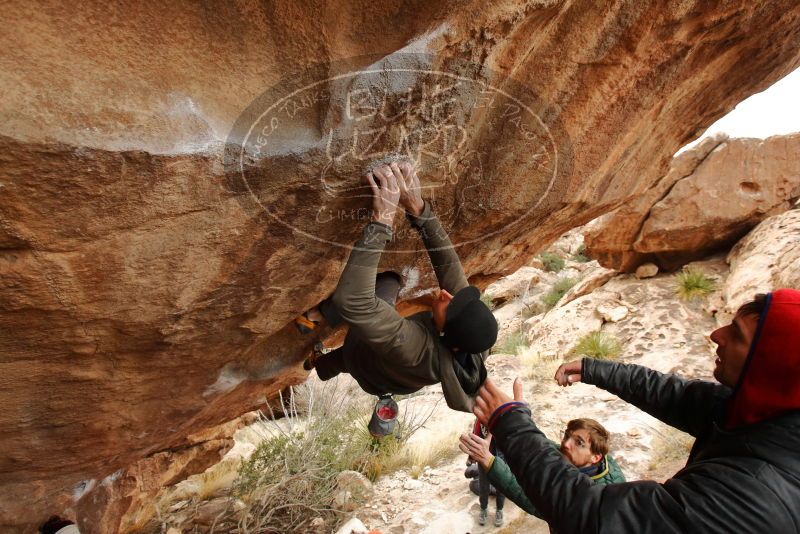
(387, 287)
(483, 496)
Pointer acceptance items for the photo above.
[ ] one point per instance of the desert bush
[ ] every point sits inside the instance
(598, 345)
(513, 343)
(580, 255)
(290, 479)
(552, 262)
(558, 290)
(692, 284)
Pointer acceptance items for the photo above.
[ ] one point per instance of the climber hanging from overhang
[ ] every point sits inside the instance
(386, 353)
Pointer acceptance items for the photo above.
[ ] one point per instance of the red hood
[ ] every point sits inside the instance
(770, 381)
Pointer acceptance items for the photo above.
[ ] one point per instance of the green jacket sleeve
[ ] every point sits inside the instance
(501, 477)
(443, 255)
(375, 321)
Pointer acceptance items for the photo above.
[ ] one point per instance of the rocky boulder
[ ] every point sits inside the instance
(711, 196)
(767, 258)
(556, 333)
(516, 285)
(179, 180)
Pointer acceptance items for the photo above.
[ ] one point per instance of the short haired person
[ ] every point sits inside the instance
(384, 352)
(584, 445)
(743, 472)
(487, 449)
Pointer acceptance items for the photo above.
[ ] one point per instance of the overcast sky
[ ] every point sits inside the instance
(774, 111)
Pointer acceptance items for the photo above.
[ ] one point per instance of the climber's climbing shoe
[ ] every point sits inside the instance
(304, 324)
(311, 361)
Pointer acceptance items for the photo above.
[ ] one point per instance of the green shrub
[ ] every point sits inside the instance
(552, 262)
(558, 290)
(692, 284)
(598, 345)
(512, 344)
(291, 476)
(580, 256)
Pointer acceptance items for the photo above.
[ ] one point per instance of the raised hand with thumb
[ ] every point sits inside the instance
(490, 398)
(569, 373)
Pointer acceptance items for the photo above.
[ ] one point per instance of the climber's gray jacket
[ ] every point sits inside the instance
(384, 352)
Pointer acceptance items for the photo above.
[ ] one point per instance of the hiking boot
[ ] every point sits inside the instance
(482, 516)
(498, 518)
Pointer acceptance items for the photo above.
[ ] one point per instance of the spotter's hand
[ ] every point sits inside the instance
(569, 373)
(491, 398)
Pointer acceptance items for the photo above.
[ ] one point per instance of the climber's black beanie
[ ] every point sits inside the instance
(469, 324)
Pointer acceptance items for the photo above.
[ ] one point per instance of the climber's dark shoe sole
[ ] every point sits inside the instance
(311, 361)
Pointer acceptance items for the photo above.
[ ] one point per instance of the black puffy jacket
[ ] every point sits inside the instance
(741, 480)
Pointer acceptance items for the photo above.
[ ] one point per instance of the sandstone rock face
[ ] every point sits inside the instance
(557, 332)
(767, 258)
(711, 196)
(177, 182)
(515, 285)
(646, 270)
(591, 278)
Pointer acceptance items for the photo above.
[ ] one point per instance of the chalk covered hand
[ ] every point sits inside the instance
(410, 188)
(385, 194)
(490, 398)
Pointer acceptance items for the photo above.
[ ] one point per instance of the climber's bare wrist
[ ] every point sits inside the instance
(384, 218)
(416, 209)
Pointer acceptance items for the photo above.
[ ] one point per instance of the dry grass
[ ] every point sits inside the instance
(436, 448)
(513, 343)
(599, 345)
(668, 446)
(539, 366)
(213, 482)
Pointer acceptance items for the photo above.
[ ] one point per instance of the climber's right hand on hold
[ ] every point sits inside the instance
(385, 194)
(410, 188)
(569, 373)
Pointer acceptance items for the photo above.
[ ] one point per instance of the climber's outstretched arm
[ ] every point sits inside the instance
(376, 322)
(443, 255)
